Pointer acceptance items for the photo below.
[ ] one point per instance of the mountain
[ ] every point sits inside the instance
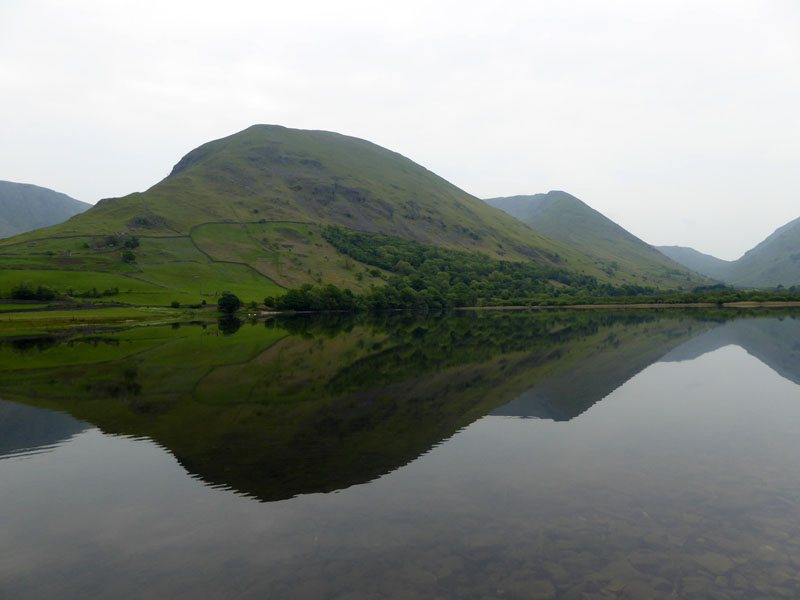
(25, 207)
(564, 218)
(708, 265)
(248, 214)
(773, 262)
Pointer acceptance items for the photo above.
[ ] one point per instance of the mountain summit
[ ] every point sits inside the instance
(566, 219)
(279, 174)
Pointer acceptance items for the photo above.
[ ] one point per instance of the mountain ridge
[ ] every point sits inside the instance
(774, 261)
(567, 219)
(26, 207)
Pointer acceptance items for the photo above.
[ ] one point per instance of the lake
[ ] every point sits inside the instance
(480, 454)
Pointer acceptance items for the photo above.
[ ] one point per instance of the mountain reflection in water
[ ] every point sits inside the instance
(29, 430)
(676, 475)
(315, 404)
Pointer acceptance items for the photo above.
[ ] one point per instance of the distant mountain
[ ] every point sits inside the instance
(564, 218)
(25, 207)
(708, 265)
(773, 262)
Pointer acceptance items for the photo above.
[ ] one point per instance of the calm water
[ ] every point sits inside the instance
(515, 455)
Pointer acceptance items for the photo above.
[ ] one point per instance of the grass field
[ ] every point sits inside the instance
(155, 250)
(71, 245)
(194, 281)
(46, 321)
(290, 254)
(166, 270)
(20, 306)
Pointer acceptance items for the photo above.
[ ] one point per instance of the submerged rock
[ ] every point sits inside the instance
(715, 563)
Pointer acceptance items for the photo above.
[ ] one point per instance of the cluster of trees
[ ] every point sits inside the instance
(27, 291)
(452, 277)
(24, 291)
(428, 277)
(93, 293)
(322, 297)
(721, 294)
(417, 276)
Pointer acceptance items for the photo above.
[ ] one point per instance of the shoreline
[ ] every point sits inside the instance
(742, 304)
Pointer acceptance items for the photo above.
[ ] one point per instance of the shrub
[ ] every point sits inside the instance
(228, 303)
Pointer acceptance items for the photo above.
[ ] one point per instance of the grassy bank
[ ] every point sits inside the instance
(39, 322)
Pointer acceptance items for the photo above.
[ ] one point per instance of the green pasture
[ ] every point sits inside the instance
(98, 262)
(20, 306)
(291, 254)
(230, 242)
(78, 281)
(190, 282)
(71, 245)
(168, 249)
(45, 321)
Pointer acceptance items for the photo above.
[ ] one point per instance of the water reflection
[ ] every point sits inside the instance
(25, 430)
(682, 482)
(774, 341)
(302, 405)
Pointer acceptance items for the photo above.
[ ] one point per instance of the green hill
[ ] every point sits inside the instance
(773, 262)
(565, 218)
(25, 207)
(248, 214)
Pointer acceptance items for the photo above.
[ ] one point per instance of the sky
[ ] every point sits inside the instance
(676, 119)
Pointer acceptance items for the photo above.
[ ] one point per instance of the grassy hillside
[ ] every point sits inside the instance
(25, 207)
(565, 218)
(247, 214)
(277, 174)
(773, 262)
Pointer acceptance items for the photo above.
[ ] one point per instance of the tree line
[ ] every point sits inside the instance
(417, 276)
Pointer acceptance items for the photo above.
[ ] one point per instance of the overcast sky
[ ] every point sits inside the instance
(679, 120)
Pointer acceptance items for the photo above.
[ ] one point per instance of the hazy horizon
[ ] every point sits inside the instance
(675, 120)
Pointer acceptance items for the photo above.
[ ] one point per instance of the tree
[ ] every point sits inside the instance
(228, 303)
